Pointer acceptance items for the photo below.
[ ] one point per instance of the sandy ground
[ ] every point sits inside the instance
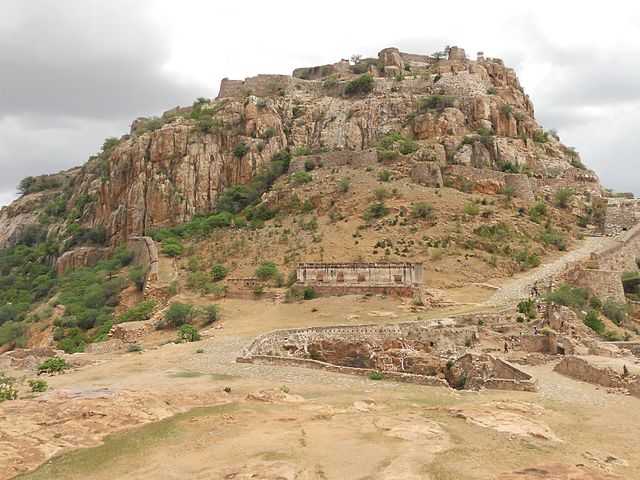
(174, 420)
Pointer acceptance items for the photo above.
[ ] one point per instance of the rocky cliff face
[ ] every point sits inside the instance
(458, 111)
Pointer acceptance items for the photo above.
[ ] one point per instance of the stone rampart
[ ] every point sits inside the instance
(145, 254)
(581, 369)
(621, 215)
(260, 85)
(604, 284)
(363, 372)
(80, 257)
(491, 181)
(338, 158)
(282, 342)
(427, 173)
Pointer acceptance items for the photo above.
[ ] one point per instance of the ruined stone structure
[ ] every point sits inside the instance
(338, 158)
(427, 173)
(582, 369)
(491, 181)
(344, 278)
(622, 214)
(145, 254)
(80, 257)
(260, 85)
(417, 352)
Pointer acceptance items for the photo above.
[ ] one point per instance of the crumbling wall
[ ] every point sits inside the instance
(288, 342)
(427, 173)
(338, 158)
(260, 85)
(581, 369)
(490, 181)
(603, 284)
(80, 257)
(621, 215)
(145, 254)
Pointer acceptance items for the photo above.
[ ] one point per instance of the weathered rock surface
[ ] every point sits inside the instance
(164, 175)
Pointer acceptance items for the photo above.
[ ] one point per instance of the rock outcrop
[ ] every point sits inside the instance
(457, 110)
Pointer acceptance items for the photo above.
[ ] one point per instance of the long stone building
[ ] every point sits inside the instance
(344, 278)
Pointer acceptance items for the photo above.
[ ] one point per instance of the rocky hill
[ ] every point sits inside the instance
(449, 111)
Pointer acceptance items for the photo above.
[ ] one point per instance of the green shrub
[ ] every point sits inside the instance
(8, 390)
(240, 150)
(38, 386)
(375, 210)
(506, 110)
(53, 365)
(211, 313)
(301, 151)
(526, 260)
(219, 272)
(308, 293)
(376, 376)
(592, 320)
(267, 271)
(137, 275)
(563, 197)
(360, 86)
(595, 303)
(422, 210)
(134, 348)
(380, 194)
(472, 209)
(343, 185)
(188, 333)
(268, 133)
(309, 165)
(614, 311)
(435, 102)
(407, 147)
(569, 296)
(141, 311)
(384, 175)
(537, 212)
(172, 248)
(528, 307)
(540, 136)
(300, 178)
(553, 237)
(179, 313)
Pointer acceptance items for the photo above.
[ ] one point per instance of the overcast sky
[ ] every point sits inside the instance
(73, 72)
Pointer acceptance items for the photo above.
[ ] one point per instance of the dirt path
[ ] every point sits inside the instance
(520, 286)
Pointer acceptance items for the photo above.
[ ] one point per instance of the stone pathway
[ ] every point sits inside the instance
(520, 286)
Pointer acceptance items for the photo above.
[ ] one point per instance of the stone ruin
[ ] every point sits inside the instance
(425, 352)
(402, 279)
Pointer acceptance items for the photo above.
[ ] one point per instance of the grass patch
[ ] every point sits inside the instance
(134, 444)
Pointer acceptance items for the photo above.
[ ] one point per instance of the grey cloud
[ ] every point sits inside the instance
(73, 73)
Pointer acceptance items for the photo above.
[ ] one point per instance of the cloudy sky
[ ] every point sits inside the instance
(73, 72)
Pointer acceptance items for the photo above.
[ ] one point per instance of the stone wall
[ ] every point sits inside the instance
(284, 342)
(490, 181)
(80, 257)
(260, 85)
(604, 284)
(145, 254)
(427, 173)
(363, 372)
(322, 71)
(360, 275)
(621, 215)
(581, 369)
(338, 158)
